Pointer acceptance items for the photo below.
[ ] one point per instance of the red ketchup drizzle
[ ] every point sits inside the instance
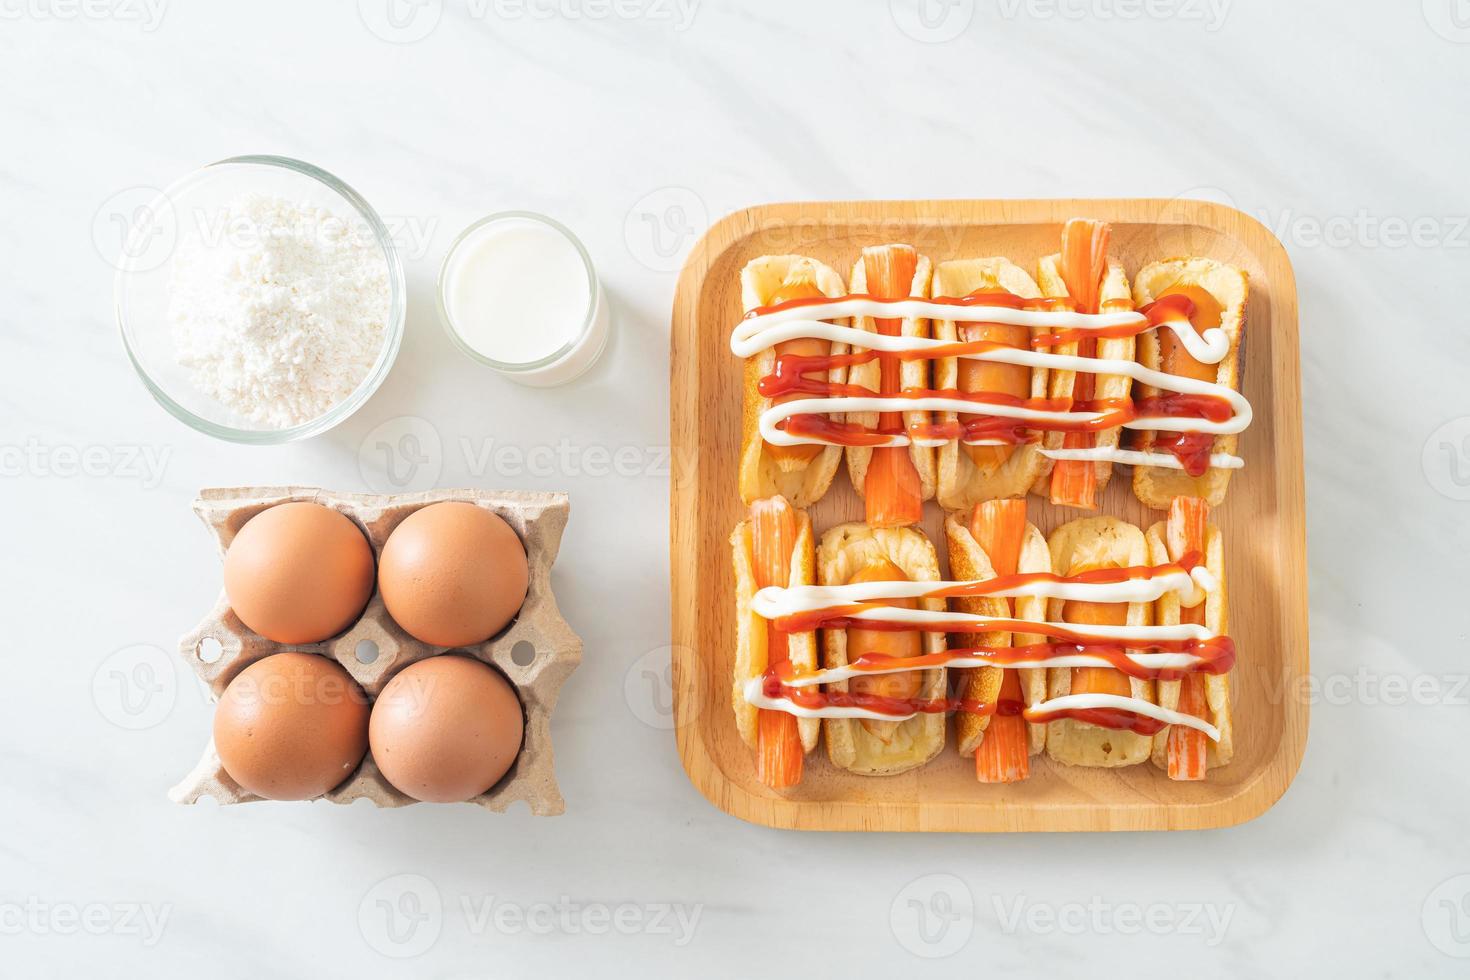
(1192, 449)
(810, 697)
(828, 430)
(1118, 719)
(1176, 405)
(1175, 306)
(1172, 307)
(793, 375)
(839, 616)
(1005, 299)
(1215, 655)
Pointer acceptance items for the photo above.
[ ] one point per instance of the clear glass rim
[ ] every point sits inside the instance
(397, 314)
(594, 295)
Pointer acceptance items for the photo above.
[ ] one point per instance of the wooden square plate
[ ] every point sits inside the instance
(1262, 519)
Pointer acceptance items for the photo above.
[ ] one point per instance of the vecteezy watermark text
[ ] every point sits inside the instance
(147, 14)
(1364, 229)
(677, 921)
(403, 916)
(409, 453)
(38, 917)
(1100, 917)
(124, 461)
(410, 21)
(566, 458)
(679, 13)
(412, 235)
(1211, 13)
(934, 916)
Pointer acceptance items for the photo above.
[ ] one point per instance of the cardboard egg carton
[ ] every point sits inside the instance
(538, 630)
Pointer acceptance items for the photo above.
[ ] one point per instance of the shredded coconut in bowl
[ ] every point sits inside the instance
(278, 310)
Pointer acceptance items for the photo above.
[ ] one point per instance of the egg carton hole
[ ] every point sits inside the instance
(209, 650)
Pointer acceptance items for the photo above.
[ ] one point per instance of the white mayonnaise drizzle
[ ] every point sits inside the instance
(774, 601)
(1069, 702)
(755, 694)
(972, 623)
(755, 334)
(1002, 355)
(1134, 457)
(1148, 661)
(773, 328)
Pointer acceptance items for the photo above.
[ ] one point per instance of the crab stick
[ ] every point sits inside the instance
(778, 743)
(1084, 262)
(1188, 748)
(1003, 756)
(892, 490)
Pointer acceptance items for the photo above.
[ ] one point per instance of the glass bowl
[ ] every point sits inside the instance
(144, 272)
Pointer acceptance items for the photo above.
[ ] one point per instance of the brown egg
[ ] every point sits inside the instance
(299, 573)
(291, 726)
(446, 729)
(453, 574)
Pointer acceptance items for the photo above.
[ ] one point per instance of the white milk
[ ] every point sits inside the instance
(517, 289)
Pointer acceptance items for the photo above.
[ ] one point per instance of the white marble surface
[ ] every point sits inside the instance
(1341, 124)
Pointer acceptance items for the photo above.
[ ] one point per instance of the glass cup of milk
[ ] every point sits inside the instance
(517, 291)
